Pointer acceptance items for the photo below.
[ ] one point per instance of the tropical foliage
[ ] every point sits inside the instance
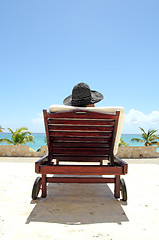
(122, 143)
(148, 139)
(20, 136)
(1, 129)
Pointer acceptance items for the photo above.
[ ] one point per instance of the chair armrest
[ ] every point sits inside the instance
(39, 162)
(122, 163)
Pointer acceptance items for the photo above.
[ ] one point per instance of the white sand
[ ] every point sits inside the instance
(78, 211)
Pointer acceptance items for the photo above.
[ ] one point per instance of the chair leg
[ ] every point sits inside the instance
(117, 187)
(44, 188)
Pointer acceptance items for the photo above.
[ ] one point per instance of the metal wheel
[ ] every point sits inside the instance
(123, 190)
(36, 187)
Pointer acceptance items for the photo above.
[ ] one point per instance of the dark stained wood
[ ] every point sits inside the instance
(81, 151)
(53, 127)
(81, 126)
(122, 163)
(81, 170)
(41, 161)
(77, 114)
(75, 138)
(80, 180)
(81, 158)
(117, 186)
(44, 190)
(81, 139)
(77, 121)
(71, 133)
(78, 144)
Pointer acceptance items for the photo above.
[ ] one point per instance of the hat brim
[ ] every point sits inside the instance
(96, 97)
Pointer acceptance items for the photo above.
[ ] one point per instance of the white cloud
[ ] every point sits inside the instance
(135, 119)
(154, 117)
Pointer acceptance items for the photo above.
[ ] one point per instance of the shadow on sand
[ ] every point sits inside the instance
(78, 204)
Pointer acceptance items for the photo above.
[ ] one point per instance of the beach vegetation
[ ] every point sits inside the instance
(21, 136)
(122, 143)
(150, 138)
(1, 129)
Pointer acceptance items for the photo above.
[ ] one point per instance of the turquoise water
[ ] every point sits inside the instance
(39, 139)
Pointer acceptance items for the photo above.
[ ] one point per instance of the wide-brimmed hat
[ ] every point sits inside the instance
(82, 95)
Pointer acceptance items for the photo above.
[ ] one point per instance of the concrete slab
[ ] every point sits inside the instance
(78, 211)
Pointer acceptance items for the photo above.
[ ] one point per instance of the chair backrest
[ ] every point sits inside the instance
(110, 109)
(81, 135)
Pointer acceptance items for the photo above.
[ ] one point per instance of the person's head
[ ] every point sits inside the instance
(83, 96)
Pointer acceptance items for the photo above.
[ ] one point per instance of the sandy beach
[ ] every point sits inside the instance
(78, 211)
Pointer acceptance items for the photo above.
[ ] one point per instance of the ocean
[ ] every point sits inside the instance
(40, 138)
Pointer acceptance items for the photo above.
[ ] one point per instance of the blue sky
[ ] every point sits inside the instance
(46, 47)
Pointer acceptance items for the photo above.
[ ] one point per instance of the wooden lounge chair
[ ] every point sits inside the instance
(81, 143)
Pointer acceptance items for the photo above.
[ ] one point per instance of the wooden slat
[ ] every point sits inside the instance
(80, 158)
(86, 139)
(77, 121)
(59, 127)
(85, 122)
(69, 133)
(81, 170)
(79, 144)
(81, 151)
(81, 114)
(80, 180)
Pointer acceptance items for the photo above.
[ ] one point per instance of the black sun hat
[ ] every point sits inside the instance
(82, 95)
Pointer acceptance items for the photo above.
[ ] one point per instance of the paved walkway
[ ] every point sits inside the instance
(78, 211)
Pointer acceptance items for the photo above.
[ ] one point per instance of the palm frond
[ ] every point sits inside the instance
(25, 133)
(136, 140)
(151, 132)
(155, 143)
(17, 138)
(22, 129)
(1, 129)
(10, 130)
(122, 143)
(29, 139)
(153, 137)
(142, 130)
(6, 140)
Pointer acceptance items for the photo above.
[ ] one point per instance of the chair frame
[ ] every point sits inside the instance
(80, 145)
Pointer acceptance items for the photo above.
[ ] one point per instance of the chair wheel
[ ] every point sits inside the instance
(36, 187)
(123, 190)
